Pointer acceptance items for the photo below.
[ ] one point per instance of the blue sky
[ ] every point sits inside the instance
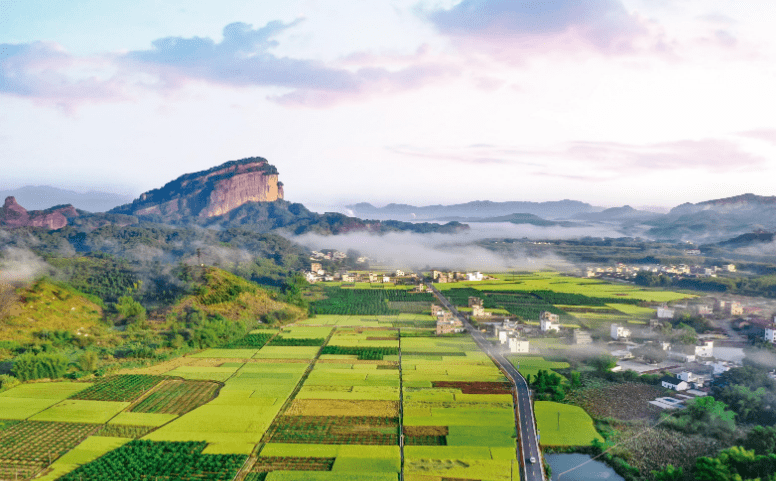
(641, 102)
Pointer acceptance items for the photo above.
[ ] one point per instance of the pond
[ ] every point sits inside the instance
(591, 471)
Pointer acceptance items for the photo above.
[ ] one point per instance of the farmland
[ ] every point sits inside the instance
(326, 398)
(564, 425)
(575, 300)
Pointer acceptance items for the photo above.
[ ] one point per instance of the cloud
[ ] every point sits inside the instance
(593, 161)
(44, 71)
(243, 58)
(501, 26)
(713, 155)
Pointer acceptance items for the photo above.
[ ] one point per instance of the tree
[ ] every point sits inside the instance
(130, 309)
(576, 380)
(89, 361)
(604, 363)
(762, 440)
(670, 473)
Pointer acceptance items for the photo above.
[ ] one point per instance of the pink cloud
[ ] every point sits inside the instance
(601, 160)
(768, 135)
(510, 29)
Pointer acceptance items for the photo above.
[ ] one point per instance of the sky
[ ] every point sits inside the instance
(611, 102)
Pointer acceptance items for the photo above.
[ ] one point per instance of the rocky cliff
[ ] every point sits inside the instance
(210, 193)
(13, 215)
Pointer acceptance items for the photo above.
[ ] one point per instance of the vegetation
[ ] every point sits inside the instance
(39, 366)
(149, 459)
(122, 388)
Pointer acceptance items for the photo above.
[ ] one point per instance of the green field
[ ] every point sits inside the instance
(532, 364)
(574, 429)
(566, 284)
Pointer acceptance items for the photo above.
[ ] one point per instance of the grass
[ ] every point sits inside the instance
(576, 426)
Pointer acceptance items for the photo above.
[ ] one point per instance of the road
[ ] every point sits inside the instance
(529, 443)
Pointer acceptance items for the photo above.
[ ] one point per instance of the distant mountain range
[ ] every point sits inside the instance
(247, 194)
(563, 209)
(40, 197)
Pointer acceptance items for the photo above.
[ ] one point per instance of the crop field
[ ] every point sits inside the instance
(551, 281)
(368, 430)
(122, 388)
(457, 412)
(27, 400)
(564, 425)
(253, 340)
(28, 446)
(183, 460)
(349, 302)
(177, 397)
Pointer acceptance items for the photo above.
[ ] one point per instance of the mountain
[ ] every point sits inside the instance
(14, 215)
(716, 220)
(563, 209)
(42, 196)
(515, 219)
(209, 193)
(614, 214)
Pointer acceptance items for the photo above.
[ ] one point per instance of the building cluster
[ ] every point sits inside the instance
(509, 334)
(317, 273)
(627, 271)
(443, 277)
(446, 322)
(330, 255)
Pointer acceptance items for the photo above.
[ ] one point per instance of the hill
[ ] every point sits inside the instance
(220, 293)
(48, 306)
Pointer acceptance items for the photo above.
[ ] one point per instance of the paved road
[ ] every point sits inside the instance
(529, 445)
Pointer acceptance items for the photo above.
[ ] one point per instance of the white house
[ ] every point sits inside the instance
(473, 276)
(517, 345)
(676, 384)
(665, 313)
(619, 332)
(770, 333)
(704, 348)
(547, 325)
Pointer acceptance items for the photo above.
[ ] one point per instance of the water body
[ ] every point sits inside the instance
(594, 470)
(734, 354)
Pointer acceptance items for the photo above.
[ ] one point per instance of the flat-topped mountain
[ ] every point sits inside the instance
(211, 192)
(13, 215)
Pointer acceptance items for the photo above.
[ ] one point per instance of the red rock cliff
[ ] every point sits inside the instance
(212, 192)
(13, 215)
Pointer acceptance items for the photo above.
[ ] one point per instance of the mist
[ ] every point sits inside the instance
(19, 266)
(455, 251)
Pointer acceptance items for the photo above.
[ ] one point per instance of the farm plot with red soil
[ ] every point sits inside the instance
(177, 397)
(25, 447)
(473, 387)
(335, 430)
(426, 435)
(628, 401)
(282, 463)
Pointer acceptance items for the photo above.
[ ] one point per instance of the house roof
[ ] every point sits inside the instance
(671, 380)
